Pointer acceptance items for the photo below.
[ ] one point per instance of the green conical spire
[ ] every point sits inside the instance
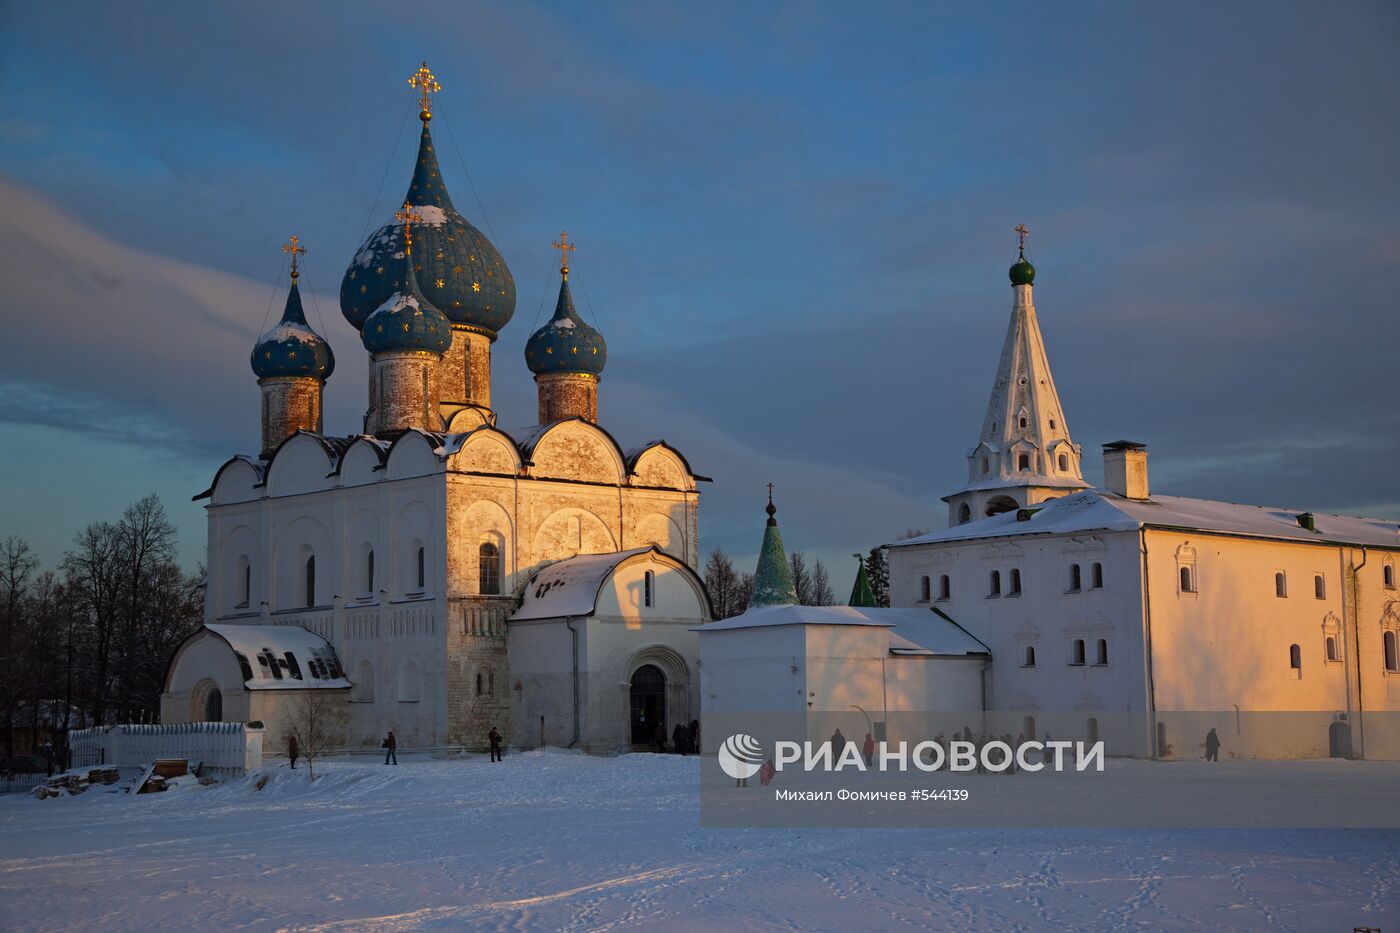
(861, 593)
(772, 580)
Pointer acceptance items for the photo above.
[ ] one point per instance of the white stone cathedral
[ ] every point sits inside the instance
(1144, 618)
(437, 574)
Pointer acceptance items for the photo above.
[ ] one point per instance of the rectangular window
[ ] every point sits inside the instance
(648, 588)
(1320, 586)
(1015, 582)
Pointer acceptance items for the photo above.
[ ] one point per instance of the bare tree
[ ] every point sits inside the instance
(311, 720)
(822, 594)
(722, 583)
(801, 578)
(94, 570)
(147, 543)
(743, 593)
(17, 562)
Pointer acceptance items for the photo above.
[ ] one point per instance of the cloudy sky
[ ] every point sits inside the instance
(794, 223)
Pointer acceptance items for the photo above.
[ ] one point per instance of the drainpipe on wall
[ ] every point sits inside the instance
(1147, 648)
(1360, 750)
(569, 623)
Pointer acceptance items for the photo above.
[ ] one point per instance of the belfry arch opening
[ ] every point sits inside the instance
(998, 504)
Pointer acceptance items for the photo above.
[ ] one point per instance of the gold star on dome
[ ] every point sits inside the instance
(456, 303)
(267, 355)
(439, 283)
(575, 350)
(476, 286)
(352, 274)
(379, 271)
(405, 328)
(363, 289)
(456, 270)
(379, 328)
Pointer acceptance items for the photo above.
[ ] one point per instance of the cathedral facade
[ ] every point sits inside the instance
(384, 566)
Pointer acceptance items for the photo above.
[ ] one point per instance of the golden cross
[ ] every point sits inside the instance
(294, 249)
(426, 83)
(405, 217)
(1020, 231)
(565, 248)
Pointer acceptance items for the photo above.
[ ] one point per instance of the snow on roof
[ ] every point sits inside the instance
(303, 659)
(913, 631)
(1021, 479)
(1098, 510)
(570, 587)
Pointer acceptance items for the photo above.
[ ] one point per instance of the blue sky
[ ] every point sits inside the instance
(794, 223)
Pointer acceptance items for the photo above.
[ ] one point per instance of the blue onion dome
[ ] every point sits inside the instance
(292, 348)
(565, 344)
(458, 269)
(407, 320)
(1022, 273)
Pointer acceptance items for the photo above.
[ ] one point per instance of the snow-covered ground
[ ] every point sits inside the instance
(551, 840)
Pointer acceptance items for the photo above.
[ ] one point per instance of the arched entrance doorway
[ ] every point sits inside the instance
(206, 702)
(648, 703)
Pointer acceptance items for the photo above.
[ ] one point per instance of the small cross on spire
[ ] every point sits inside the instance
(565, 248)
(1020, 231)
(405, 217)
(294, 248)
(426, 83)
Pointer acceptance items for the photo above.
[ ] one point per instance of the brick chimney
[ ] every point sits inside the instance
(1125, 469)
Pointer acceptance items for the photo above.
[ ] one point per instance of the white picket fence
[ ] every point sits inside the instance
(227, 748)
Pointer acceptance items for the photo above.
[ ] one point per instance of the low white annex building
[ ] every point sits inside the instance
(1148, 619)
(385, 564)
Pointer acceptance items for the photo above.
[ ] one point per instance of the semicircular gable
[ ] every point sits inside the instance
(236, 481)
(578, 450)
(660, 466)
(467, 419)
(413, 454)
(486, 450)
(301, 464)
(362, 462)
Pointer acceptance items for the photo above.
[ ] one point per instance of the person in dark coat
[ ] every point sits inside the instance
(694, 736)
(293, 752)
(494, 738)
(390, 745)
(838, 746)
(868, 750)
(680, 739)
(1212, 746)
(659, 739)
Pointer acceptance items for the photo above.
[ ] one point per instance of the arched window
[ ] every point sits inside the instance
(1097, 576)
(648, 589)
(369, 572)
(1331, 648)
(311, 581)
(1392, 661)
(1052, 424)
(1388, 575)
(245, 582)
(1064, 462)
(986, 466)
(481, 683)
(1075, 578)
(964, 514)
(1188, 583)
(1102, 656)
(488, 572)
(1077, 659)
(1023, 421)
(1023, 463)
(1015, 581)
(1280, 584)
(1320, 586)
(422, 568)
(923, 589)
(214, 706)
(945, 587)
(995, 588)
(1295, 657)
(1030, 656)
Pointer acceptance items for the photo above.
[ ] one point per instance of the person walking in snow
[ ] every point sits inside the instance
(293, 752)
(680, 738)
(494, 738)
(694, 736)
(838, 745)
(390, 744)
(868, 751)
(766, 772)
(1212, 746)
(659, 739)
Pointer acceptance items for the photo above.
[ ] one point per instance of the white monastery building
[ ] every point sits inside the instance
(384, 566)
(1141, 618)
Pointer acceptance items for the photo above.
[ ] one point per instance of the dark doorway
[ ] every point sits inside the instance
(1339, 740)
(648, 703)
(214, 706)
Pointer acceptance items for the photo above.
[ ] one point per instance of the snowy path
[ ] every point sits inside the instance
(557, 841)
